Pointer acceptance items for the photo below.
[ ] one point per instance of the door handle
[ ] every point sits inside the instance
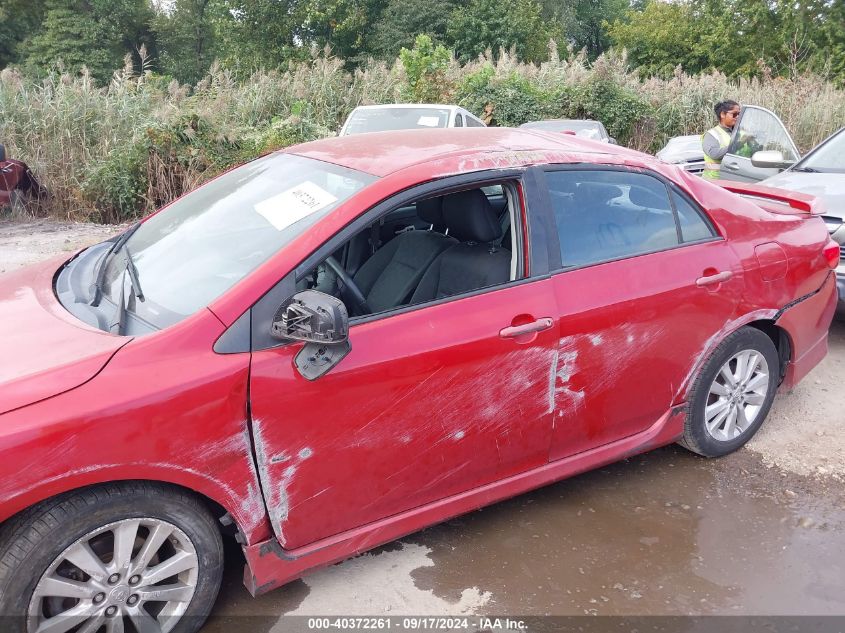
(718, 278)
(527, 328)
(731, 165)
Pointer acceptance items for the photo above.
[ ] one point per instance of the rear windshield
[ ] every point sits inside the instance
(384, 119)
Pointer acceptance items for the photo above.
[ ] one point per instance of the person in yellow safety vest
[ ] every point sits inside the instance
(715, 142)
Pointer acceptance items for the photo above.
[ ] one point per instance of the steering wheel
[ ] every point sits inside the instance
(350, 288)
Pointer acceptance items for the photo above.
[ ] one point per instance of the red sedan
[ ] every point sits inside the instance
(339, 344)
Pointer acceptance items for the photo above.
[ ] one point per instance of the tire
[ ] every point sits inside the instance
(160, 525)
(726, 408)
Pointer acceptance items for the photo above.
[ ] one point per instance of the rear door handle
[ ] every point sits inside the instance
(718, 278)
(731, 165)
(527, 328)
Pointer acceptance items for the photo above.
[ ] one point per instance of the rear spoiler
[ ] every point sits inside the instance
(775, 200)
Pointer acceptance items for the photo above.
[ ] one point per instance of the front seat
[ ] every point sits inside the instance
(477, 261)
(390, 276)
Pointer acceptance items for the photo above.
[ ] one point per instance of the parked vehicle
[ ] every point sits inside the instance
(685, 151)
(17, 184)
(821, 173)
(761, 127)
(586, 128)
(340, 343)
(407, 116)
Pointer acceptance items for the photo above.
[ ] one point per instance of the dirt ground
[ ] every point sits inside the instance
(761, 531)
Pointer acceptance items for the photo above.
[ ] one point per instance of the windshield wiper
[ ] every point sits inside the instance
(100, 272)
(133, 275)
(118, 325)
(809, 170)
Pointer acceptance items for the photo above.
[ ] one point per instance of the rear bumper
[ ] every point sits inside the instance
(807, 324)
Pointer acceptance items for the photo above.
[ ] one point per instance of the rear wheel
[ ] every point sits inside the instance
(732, 394)
(134, 556)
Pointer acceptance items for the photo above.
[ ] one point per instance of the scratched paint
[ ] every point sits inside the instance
(276, 487)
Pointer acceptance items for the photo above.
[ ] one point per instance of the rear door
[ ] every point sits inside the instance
(644, 281)
(758, 129)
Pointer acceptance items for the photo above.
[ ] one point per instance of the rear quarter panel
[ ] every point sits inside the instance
(803, 295)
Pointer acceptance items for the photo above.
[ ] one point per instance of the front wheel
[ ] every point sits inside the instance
(134, 556)
(732, 394)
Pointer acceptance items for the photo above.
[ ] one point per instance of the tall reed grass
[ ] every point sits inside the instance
(115, 152)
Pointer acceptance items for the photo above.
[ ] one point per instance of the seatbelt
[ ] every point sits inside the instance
(375, 236)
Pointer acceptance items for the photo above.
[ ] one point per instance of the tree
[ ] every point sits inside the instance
(403, 20)
(19, 19)
(260, 33)
(343, 25)
(496, 24)
(186, 37)
(588, 27)
(96, 34)
(660, 37)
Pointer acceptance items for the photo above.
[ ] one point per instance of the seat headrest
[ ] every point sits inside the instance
(470, 217)
(648, 199)
(596, 193)
(431, 210)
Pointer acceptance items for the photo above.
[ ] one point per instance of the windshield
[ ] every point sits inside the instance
(384, 119)
(828, 157)
(204, 243)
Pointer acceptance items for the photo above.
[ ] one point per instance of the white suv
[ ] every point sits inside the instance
(407, 116)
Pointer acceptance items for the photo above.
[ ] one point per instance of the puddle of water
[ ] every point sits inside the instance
(666, 533)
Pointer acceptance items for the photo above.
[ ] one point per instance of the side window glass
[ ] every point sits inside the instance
(473, 123)
(604, 215)
(760, 130)
(459, 120)
(693, 226)
(465, 246)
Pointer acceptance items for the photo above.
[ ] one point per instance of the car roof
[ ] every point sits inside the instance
(382, 153)
(407, 105)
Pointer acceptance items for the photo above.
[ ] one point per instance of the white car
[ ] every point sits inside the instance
(407, 116)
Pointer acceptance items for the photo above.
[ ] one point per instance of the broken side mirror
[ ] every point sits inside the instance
(770, 159)
(322, 322)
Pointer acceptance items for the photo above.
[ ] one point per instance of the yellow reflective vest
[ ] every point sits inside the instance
(712, 166)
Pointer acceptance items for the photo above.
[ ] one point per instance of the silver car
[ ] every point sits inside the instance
(585, 128)
(820, 173)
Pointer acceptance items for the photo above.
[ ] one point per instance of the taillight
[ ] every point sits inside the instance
(831, 253)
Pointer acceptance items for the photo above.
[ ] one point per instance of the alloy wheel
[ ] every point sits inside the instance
(736, 395)
(130, 575)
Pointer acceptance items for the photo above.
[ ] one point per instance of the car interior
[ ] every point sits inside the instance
(433, 248)
(600, 221)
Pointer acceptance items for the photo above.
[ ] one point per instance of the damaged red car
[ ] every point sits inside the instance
(338, 344)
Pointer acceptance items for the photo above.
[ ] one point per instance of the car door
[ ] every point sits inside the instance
(644, 282)
(757, 129)
(431, 401)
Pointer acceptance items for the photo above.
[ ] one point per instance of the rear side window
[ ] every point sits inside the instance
(605, 215)
(693, 226)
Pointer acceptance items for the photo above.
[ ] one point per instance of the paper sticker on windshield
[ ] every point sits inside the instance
(429, 121)
(294, 204)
